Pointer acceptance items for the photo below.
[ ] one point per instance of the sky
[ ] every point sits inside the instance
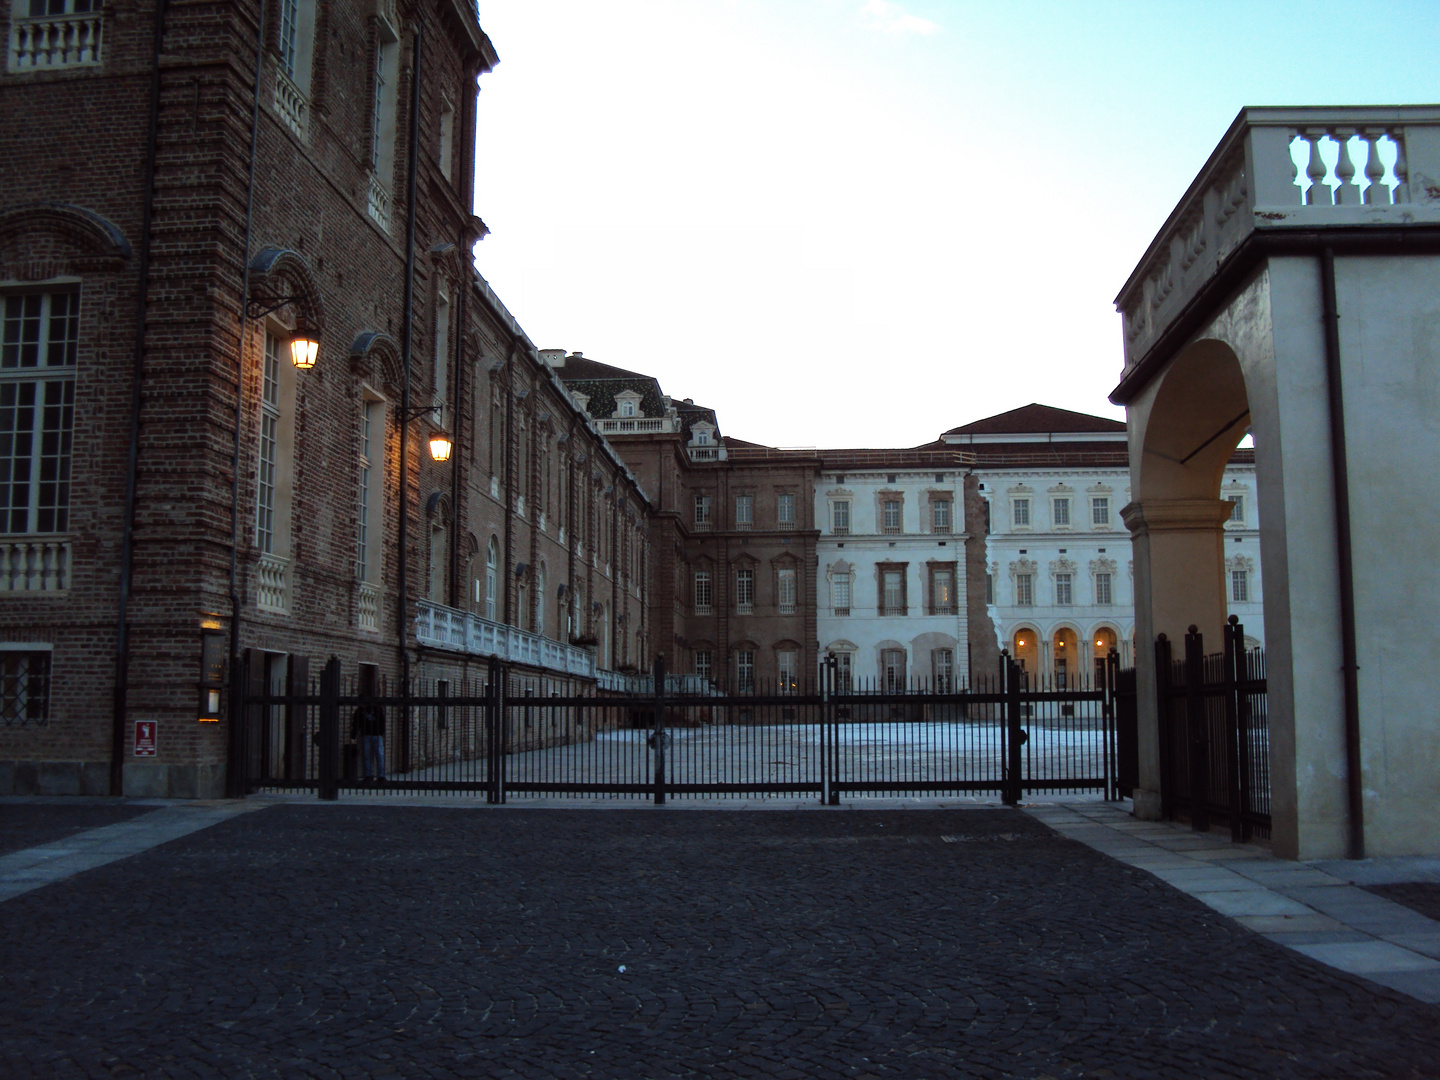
(849, 223)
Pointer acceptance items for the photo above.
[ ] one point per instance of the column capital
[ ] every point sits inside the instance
(1175, 515)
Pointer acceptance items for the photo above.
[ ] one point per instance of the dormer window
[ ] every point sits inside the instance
(702, 438)
(627, 405)
(627, 408)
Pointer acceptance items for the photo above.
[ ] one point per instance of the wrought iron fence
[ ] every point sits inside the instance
(513, 733)
(1214, 733)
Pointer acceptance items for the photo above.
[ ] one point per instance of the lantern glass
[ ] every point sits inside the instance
(440, 445)
(304, 349)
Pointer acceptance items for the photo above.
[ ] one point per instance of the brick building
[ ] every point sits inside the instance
(187, 187)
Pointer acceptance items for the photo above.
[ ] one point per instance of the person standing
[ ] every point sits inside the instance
(368, 725)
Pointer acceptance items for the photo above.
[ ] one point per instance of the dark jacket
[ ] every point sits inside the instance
(369, 719)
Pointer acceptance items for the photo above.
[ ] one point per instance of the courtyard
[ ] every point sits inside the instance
(296, 939)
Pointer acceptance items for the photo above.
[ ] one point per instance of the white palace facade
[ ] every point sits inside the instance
(1059, 576)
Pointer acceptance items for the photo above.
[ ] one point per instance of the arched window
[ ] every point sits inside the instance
(492, 578)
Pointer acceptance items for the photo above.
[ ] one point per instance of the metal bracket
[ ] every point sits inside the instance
(256, 306)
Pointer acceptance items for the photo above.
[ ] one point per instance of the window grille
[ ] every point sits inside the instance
(841, 597)
(942, 666)
(744, 511)
(1103, 592)
(942, 592)
(785, 664)
(840, 518)
(1100, 510)
(704, 661)
(893, 599)
(1061, 508)
(702, 513)
(24, 687)
(1020, 513)
(892, 669)
(1237, 508)
(269, 438)
(1240, 586)
(704, 596)
(745, 671)
(289, 33)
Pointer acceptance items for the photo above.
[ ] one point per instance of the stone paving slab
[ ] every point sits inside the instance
(1311, 908)
(382, 941)
(29, 822)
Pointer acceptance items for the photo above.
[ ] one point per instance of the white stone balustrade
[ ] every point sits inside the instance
(56, 41)
(707, 453)
(272, 584)
(635, 425)
(290, 103)
(29, 564)
(1278, 169)
(378, 205)
(367, 606)
(441, 627)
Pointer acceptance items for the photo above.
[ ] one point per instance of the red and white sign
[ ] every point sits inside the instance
(145, 735)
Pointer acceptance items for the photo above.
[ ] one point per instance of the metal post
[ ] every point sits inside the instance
(1199, 730)
(1014, 788)
(1242, 730)
(827, 667)
(330, 730)
(658, 734)
(502, 730)
(1163, 669)
(1232, 730)
(1107, 711)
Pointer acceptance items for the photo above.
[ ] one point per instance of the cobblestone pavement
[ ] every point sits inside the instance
(28, 824)
(355, 942)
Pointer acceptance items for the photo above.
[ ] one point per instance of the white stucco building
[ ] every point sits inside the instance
(891, 600)
(1060, 576)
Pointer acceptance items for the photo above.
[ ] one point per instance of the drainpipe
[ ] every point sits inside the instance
(120, 714)
(412, 165)
(573, 472)
(509, 471)
(1340, 483)
(233, 778)
(459, 411)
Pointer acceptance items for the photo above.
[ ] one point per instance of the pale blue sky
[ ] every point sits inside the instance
(861, 222)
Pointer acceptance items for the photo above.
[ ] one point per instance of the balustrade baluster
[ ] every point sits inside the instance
(1402, 167)
(1348, 193)
(1319, 193)
(1377, 194)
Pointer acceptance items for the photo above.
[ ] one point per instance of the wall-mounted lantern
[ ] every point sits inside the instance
(440, 445)
(212, 673)
(304, 344)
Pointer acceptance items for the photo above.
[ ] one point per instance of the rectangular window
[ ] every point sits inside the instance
(1061, 510)
(844, 672)
(942, 669)
(892, 670)
(704, 661)
(289, 34)
(989, 588)
(745, 671)
(24, 686)
(785, 511)
(704, 597)
(702, 513)
(269, 441)
(940, 516)
(893, 592)
(368, 510)
(745, 591)
(1240, 586)
(840, 517)
(447, 140)
(744, 511)
(785, 665)
(1020, 513)
(840, 595)
(41, 338)
(1103, 593)
(1100, 510)
(442, 354)
(1237, 508)
(785, 586)
(1024, 590)
(1064, 591)
(892, 515)
(942, 592)
(987, 517)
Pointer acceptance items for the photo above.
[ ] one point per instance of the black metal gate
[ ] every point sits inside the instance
(1214, 733)
(514, 733)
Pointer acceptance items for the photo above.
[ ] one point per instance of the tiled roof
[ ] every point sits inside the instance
(578, 367)
(1036, 419)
